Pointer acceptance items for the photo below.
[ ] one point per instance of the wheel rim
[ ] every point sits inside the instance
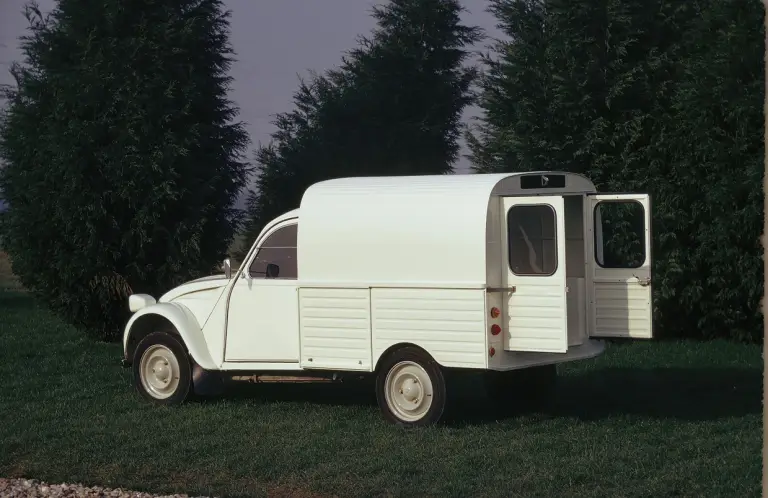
(160, 371)
(408, 391)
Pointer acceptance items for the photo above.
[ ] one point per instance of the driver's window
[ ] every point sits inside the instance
(276, 258)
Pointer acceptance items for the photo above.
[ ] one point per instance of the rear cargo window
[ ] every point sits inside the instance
(532, 240)
(620, 234)
(279, 249)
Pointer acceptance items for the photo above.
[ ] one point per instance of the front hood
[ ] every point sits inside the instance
(197, 285)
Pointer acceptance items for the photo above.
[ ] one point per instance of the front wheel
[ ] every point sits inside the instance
(410, 388)
(162, 370)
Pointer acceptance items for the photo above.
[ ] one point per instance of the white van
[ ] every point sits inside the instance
(405, 278)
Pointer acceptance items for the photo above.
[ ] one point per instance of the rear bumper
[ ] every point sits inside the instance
(514, 360)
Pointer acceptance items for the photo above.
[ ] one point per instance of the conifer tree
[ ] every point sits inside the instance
(393, 107)
(707, 186)
(656, 97)
(122, 156)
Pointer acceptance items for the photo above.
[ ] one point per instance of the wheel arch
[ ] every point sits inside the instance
(396, 347)
(172, 318)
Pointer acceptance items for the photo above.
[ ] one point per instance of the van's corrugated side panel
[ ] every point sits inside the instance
(335, 328)
(448, 323)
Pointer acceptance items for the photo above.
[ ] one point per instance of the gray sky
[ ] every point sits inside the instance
(275, 41)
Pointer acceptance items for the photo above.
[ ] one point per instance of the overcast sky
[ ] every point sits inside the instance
(276, 41)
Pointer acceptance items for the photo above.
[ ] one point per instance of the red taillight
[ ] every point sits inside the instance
(491, 351)
(495, 312)
(495, 329)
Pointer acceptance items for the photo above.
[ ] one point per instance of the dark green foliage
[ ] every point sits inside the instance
(659, 97)
(576, 86)
(515, 93)
(122, 159)
(709, 205)
(393, 107)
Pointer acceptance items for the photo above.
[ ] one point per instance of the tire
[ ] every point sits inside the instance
(410, 388)
(162, 370)
(521, 388)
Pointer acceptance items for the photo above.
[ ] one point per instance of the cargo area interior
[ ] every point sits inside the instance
(575, 269)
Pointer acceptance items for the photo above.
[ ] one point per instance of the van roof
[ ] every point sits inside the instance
(453, 184)
(415, 230)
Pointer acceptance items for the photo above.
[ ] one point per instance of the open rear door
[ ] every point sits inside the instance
(533, 274)
(619, 262)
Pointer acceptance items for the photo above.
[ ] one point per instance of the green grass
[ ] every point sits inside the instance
(645, 419)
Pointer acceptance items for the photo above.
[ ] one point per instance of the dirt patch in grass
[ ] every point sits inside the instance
(293, 492)
(8, 280)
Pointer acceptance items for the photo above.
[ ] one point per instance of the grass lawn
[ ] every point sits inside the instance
(645, 419)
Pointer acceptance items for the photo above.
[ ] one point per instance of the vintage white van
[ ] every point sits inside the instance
(405, 278)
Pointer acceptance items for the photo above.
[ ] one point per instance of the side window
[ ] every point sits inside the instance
(278, 249)
(619, 234)
(532, 240)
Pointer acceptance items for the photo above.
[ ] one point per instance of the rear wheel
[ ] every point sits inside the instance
(162, 370)
(410, 388)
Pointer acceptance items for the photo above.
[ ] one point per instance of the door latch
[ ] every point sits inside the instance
(645, 282)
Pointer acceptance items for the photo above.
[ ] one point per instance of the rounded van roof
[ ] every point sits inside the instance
(405, 230)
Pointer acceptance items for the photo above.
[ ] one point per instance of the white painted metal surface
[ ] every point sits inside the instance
(262, 321)
(335, 328)
(214, 282)
(448, 323)
(139, 301)
(513, 360)
(535, 305)
(410, 231)
(198, 298)
(185, 323)
(620, 302)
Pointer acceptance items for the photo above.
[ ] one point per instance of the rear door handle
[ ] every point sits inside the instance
(645, 282)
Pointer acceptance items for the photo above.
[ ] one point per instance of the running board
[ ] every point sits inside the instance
(270, 379)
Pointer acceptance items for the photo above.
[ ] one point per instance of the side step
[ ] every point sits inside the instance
(270, 379)
(276, 378)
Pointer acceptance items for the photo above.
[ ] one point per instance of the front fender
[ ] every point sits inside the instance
(182, 320)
